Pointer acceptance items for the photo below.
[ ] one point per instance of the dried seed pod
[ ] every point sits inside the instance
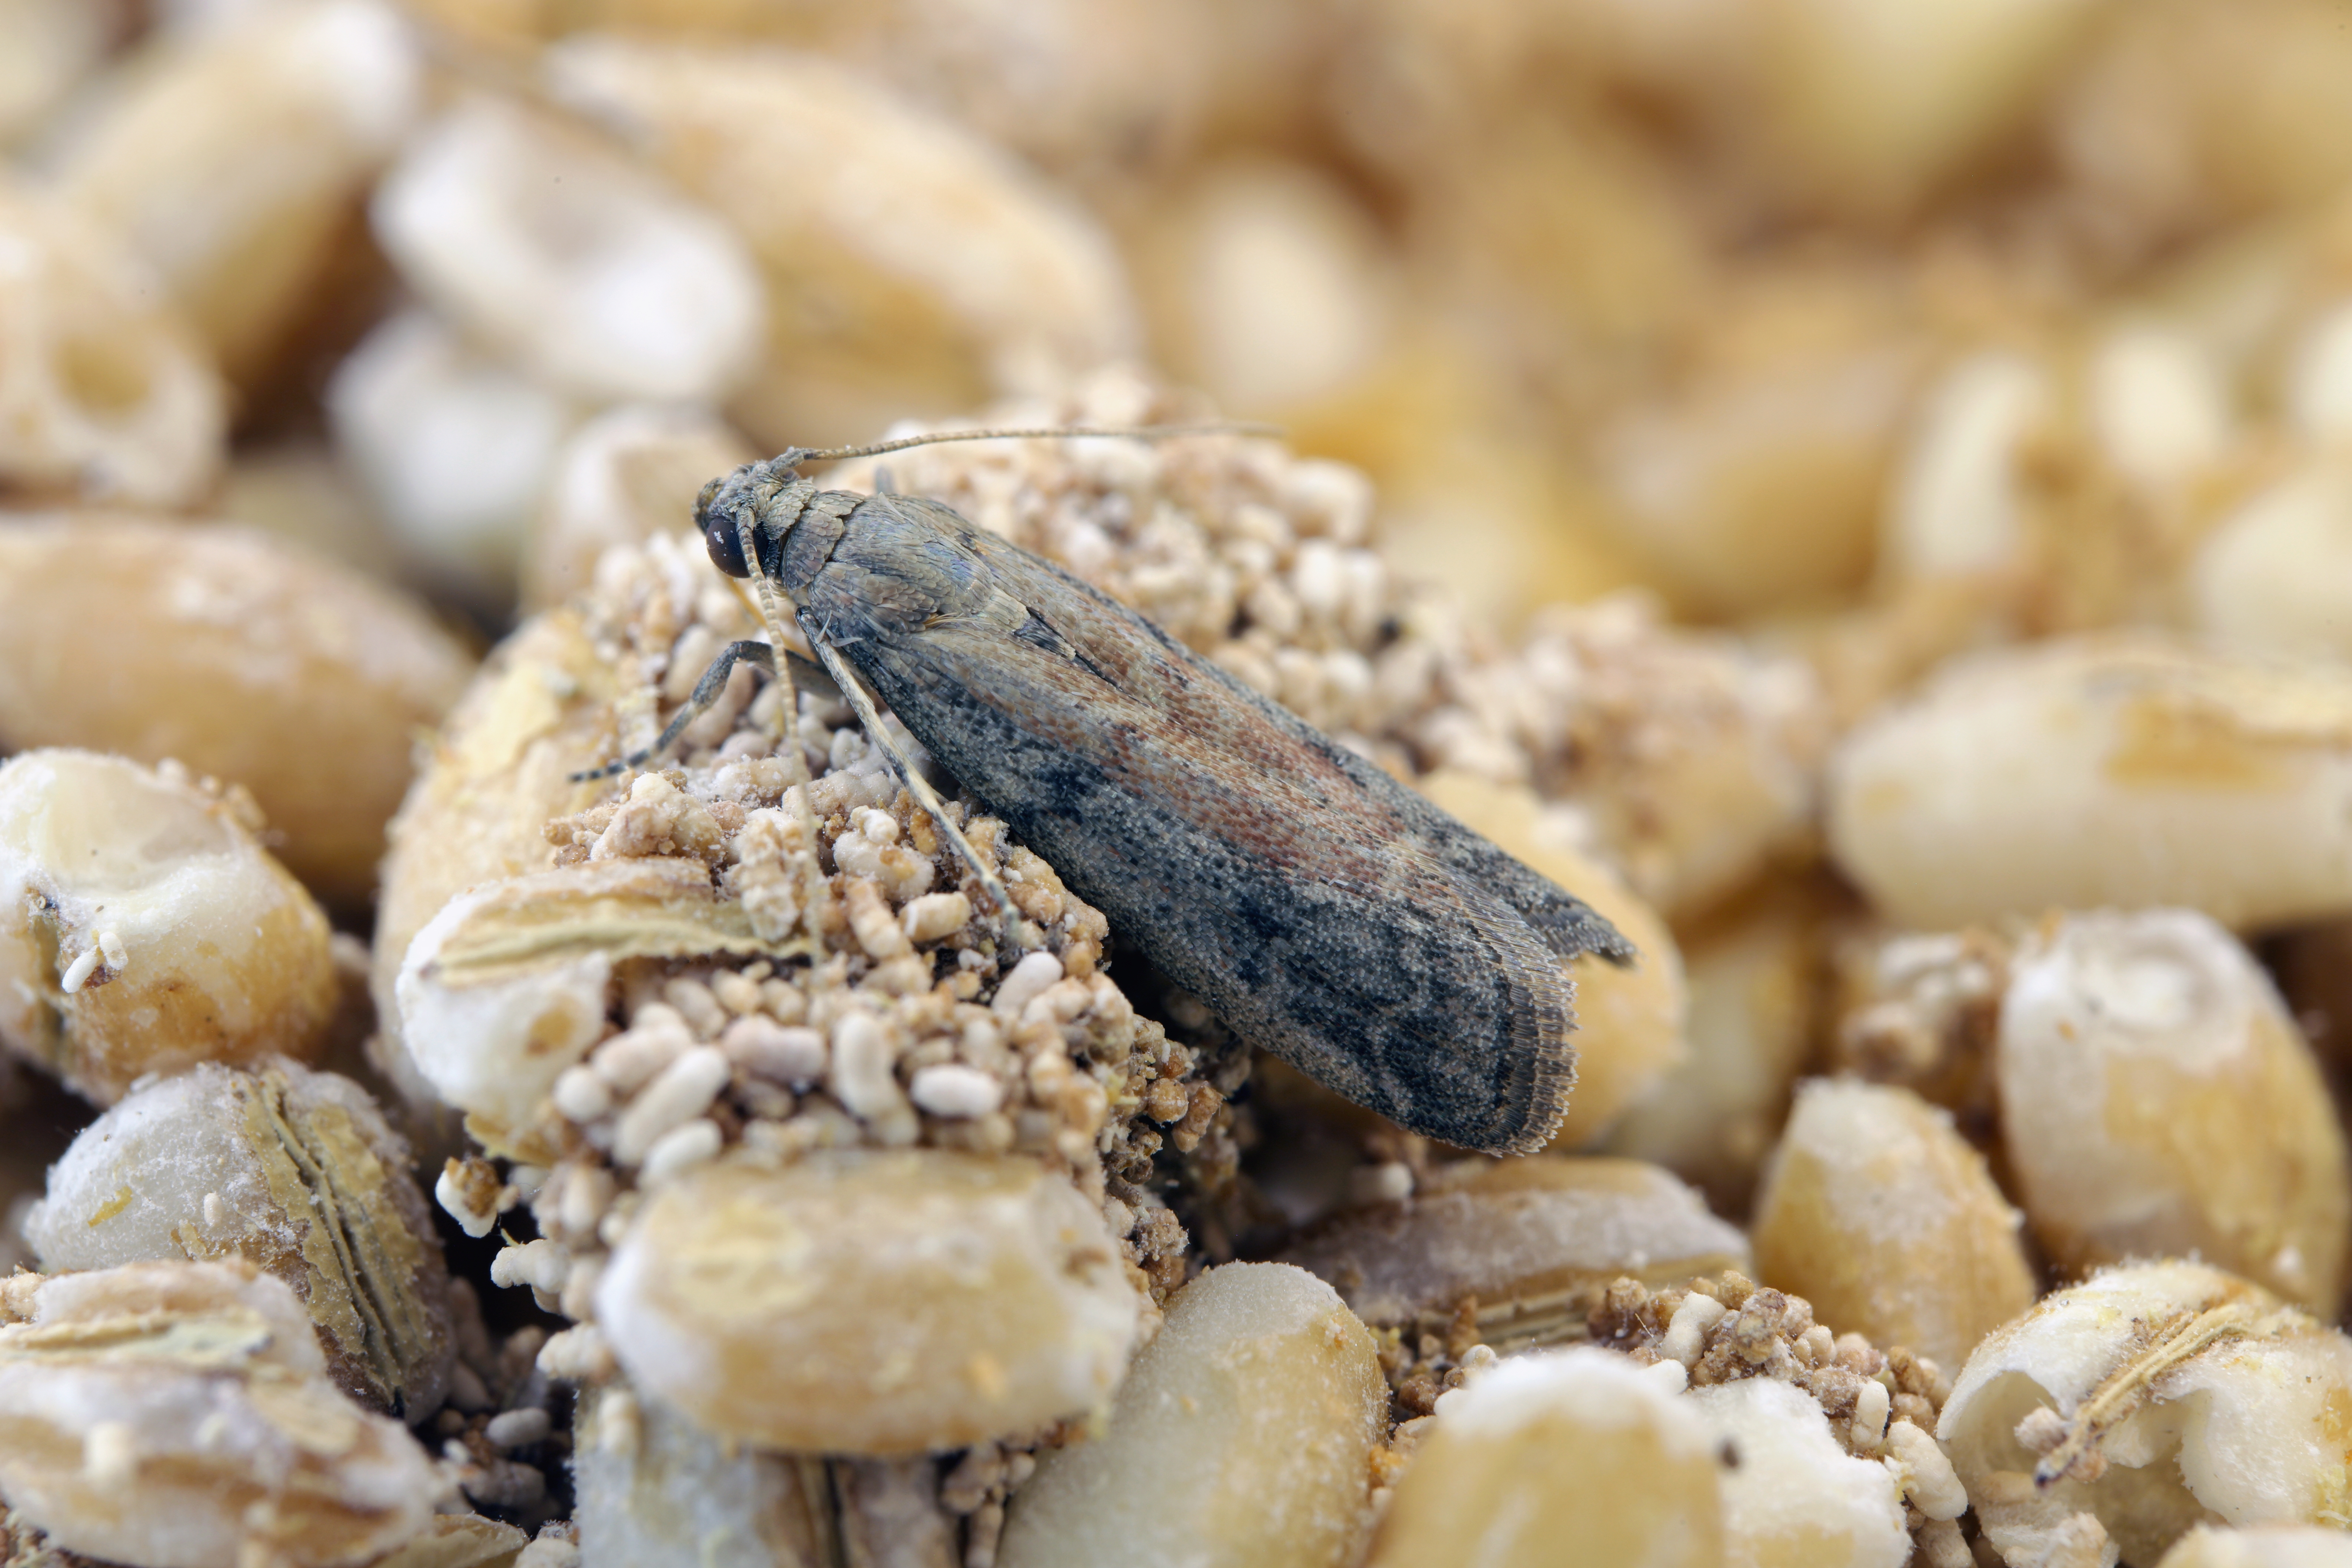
(109, 395)
(1797, 1495)
(864, 1302)
(143, 928)
(978, 279)
(196, 1393)
(1629, 1022)
(454, 447)
(297, 1173)
(231, 163)
(2157, 1100)
(1878, 1213)
(653, 1490)
(2276, 1546)
(2103, 770)
(624, 476)
(2122, 1411)
(1243, 1435)
(1750, 975)
(1573, 1458)
(237, 656)
(1536, 1241)
(586, 271)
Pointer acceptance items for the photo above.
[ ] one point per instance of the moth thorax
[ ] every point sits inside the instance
(774, 520)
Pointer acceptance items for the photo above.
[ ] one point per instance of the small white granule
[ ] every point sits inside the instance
(950, 1089)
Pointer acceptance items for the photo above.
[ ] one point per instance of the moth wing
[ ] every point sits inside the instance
(1323, 910)
(1521, 1061)
(1565, 922)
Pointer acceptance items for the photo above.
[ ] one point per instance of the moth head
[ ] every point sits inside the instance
(768, 495)
(719, 535)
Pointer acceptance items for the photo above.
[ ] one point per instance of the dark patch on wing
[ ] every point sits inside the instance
(1037, 634)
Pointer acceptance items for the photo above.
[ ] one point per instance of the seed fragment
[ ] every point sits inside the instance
(2181, 1394)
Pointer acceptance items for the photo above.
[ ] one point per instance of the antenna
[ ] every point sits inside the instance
(1133, 432)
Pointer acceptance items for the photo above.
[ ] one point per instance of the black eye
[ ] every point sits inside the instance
(718, 533)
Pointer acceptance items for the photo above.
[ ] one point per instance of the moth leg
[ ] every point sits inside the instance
(926, 797)
(772, 619)
(705, 692)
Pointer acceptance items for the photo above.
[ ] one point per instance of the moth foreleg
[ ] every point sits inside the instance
(854, 690)
(705, 692)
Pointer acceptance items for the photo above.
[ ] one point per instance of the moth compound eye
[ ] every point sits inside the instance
(719, 535)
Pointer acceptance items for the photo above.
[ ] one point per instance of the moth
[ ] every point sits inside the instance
(1318, 908)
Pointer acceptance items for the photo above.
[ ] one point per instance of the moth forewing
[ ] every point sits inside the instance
(1321, 909)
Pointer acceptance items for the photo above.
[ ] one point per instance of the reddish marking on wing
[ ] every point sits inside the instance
(1171, 730)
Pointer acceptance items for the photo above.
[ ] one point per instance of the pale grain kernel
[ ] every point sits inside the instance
(296, 1169)
(2179, 1390)
(280, 118)
(1575, 1454)
(1535, 1240)
(581, 267)
(227, 957)
(240, 1446)
(109, 396)
(2156, 1099)
(243, 658)
(1283, 1405)
(2103, 770)
(844, 1327)
(1879, 1214)
(1796, 1494)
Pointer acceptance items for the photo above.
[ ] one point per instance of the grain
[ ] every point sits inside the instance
(143, 928)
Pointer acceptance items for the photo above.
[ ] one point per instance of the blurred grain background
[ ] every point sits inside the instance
(1772, 307)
